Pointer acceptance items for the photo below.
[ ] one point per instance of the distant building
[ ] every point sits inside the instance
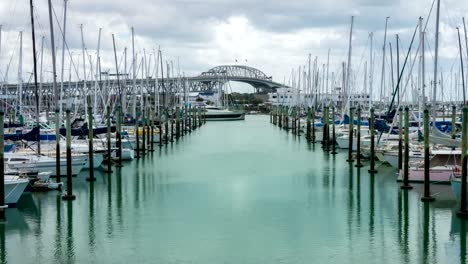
(290, 97)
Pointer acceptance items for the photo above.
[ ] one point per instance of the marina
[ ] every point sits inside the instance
(267, 197)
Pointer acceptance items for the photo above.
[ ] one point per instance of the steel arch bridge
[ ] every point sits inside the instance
(219, 75)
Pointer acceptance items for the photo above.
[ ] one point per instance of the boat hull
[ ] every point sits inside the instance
(14, 189)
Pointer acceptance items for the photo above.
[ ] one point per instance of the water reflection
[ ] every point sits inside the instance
(58, 253)
(3, 252)
(70, 238)
(91, 227)
(405, 249)
(426, 220)
(109, 218)
(463, 230)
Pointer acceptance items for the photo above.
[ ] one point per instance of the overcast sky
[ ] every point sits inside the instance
(273, 36)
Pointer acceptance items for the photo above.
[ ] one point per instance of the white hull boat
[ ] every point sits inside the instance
(14, 188)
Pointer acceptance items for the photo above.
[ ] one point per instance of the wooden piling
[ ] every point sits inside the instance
(463, 213)
(3, 206)
(454, 125)
(307, 136)
(69, 195)
(406, 184)
(108, 136)
(427, 181)
(200, 117)
(351, 128)
(57, 146)
(190, 115)
(372, 169)
(118, 134)
(152, 133)
(137, 138)
(143, 133)
(177, 122)
(313, 124)
(333, 133)
(358, 139)
(90, 145)
(324, 137)
(400, 138)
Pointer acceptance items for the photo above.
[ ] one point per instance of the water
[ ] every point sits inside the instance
(236, 192)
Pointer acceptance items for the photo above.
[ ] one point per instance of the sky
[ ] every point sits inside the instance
(275, 36)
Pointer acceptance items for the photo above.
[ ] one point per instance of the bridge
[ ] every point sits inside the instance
(206, 81)
(107, 89)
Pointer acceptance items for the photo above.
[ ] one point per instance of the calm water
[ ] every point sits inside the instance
(236, 192)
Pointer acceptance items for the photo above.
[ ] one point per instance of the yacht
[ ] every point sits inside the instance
(214, 113)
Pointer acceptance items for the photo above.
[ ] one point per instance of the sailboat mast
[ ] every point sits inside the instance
(371, 68)
(41, 77)
(36, 90)
(383, 59)
(20, 75)
(461, 66)
(348, 73)
(63, 56)
(398, 62)
(96, 85)
(84, 70)
(134, 75)
(328, 70)
(423, 65)
(466, 44)
(436, 60)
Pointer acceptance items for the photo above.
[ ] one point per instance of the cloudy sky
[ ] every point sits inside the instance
(273, 36)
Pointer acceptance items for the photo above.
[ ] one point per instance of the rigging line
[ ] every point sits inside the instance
(66, 42)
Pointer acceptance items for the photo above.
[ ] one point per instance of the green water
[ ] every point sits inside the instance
(236, 192)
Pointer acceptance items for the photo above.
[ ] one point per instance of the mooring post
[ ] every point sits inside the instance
(190, 116)
(326, 114)
(137, 138)
(333, 133)
(372, 169)
(286, 121)
(463, 213)
(166, 128)
(280, 116)
(57, 146)
(427, 181)
(172, 126)
(195, 118)
(358, 139)
(406, 184)
(148, 130)
(204, 115)
(91, 144)
(307, 136)
(152, 132)
(299, 122)
(324, 137)
(177, 122)
(200, 117)
(2, 168)
(454, 124)
(313, 124)
(69, 195)
(182, 121)
(118, 134)
(108, 136)
(400, 138)
(351, 132)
